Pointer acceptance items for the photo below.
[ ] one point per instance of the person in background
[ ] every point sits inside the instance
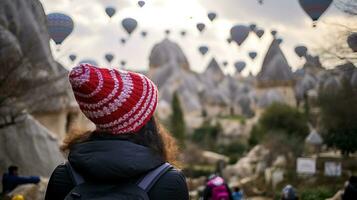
(237, 194)
(350, 192)
(288, 193)
(216, 189)
(11, 180)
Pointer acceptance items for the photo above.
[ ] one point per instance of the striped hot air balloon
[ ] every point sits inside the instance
(60, 26)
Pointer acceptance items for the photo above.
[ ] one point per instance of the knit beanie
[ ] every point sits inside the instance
(116, 101)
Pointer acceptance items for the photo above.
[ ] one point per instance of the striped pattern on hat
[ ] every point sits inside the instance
(116, 101)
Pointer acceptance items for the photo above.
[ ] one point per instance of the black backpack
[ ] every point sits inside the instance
(128, 191)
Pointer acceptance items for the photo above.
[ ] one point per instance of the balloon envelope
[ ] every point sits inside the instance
(110, 11)
(143, 33)
(200, 26)
(60, 26)
(259, 33)
(252, 54)
(239, 33)
(129, 24)
(300, 50)
(229, 40)
(167, 32)
(203, 50)
(123, 41)
(109, 57)
(225, 63)
(239, 65)
(123, 62)
(72, 57)
(279, 40)
(274, 32)
(315, 8)
(183, 33)
(141, 3)
(211, 16)
(252, 27)
(352, 41)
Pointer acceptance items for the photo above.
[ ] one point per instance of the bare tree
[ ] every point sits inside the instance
(347, 6)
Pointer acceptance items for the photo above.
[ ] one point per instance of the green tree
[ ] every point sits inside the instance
(282, 125)
(338, 110)
(177, 122)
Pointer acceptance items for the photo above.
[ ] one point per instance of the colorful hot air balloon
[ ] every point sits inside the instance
(203, 50)
(143, 33)
(239, 65)
(89, 61)
(315, 8)
(123, 41)
(300, 50)
(129, 24)
(211, 16)
(141, 3)
(239, 33)
(72, 57)
(352, 41)
(60, 26)
(259, 33)
(109, 57)
(252, 54)
(200, 26)
(110, 11)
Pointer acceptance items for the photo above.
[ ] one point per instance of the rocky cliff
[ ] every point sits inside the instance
(31, 81)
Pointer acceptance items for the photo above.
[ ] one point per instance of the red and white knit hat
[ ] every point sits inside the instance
(116, 101)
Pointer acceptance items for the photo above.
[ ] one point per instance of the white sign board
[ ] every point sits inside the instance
(333, 168)
(306, 166)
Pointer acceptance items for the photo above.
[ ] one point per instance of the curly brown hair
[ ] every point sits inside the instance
(152, 135)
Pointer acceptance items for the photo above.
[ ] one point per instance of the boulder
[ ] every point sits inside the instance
(30, 146)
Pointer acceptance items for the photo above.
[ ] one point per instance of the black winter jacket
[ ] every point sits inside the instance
(115, 161)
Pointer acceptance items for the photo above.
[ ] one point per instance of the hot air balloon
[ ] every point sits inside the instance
(259, 33)
(260, 2)
(225, 63)
(352, 41)
(229, 40)
(89, 61)
(273, 33)
(239, 33)
(203, 50)
(200, 26)
(110, 11)
(109, 57)
(59, 27)
(143, 33)
(183, 33)
(129, 24)
(123, 63)
(300, 51)
(279, 40)
(239, 65)
(141, 3)
(211, 16)
(315, 8)
(252, 54)
(167, 32)
(252, 27)
(72, 57)
(123, 41)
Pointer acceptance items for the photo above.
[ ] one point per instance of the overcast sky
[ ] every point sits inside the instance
(95, 34)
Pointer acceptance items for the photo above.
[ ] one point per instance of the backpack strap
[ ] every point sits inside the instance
(153, 176)
(76, 177)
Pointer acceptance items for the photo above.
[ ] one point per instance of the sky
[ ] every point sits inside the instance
(95, 34)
